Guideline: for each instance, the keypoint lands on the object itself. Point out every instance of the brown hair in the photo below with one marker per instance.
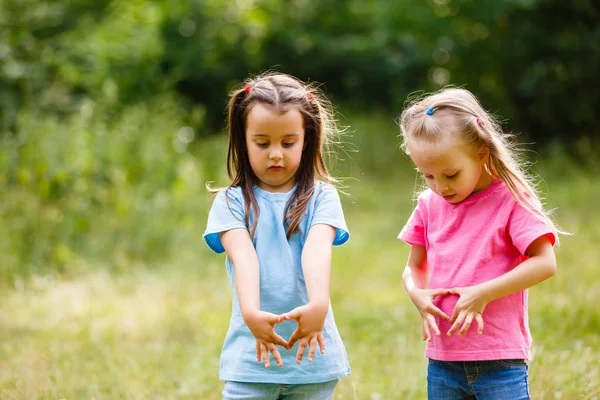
(282, 92)
(454, 111)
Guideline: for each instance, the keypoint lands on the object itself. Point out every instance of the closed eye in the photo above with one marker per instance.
(452, 176)
(288, 144)
(262, 145)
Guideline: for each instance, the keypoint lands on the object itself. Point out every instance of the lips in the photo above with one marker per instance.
(275, 168)
(449, 196)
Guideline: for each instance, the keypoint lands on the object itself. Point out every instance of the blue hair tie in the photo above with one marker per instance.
(429, 111)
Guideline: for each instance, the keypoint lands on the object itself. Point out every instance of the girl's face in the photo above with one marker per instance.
(275, 142)
(452, 168)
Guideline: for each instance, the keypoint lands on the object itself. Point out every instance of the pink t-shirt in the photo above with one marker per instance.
(479, 239)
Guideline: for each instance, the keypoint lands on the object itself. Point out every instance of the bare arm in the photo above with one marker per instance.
(415, 272)
(316, 266)
(540, 266)
(239, 248)
(415, 282)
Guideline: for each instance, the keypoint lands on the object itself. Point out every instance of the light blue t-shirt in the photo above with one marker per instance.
(282, 286)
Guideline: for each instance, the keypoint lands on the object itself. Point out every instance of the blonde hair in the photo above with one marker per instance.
(454, 111)
(282, 92)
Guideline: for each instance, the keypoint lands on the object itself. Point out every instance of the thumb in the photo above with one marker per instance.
(275, 319)
(293, 339)
(440, 291)
(294, 314)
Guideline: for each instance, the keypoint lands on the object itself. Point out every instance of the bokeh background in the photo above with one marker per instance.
(112, 122)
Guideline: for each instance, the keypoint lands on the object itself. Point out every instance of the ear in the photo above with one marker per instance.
(483, 154)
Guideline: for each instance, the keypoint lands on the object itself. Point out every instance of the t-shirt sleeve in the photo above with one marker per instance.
(226, 213)
(524, 228)
(328, 211)
(414, 230)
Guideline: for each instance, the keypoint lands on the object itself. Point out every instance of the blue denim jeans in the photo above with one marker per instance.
(274, 391)
(481, 380)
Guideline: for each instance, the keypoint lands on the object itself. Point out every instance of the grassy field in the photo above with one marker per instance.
(155, 330)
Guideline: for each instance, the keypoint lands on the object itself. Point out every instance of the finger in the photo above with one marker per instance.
(455, 313)
(275, 319)
(479, 320)
(436, 311)
(273, 349)
(454, 291)
(321, 340)
(439, 292)
(426, 331)
(312, 343)
(432, 325)
(457, 323)
(301, 350)
(275, 338)
(294, 314)
(466, 325)
(293, 339)
(264, 355)
(257, 351)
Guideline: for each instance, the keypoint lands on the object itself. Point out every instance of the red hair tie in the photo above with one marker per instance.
(309, 96)
(479, 121)
(247, 89)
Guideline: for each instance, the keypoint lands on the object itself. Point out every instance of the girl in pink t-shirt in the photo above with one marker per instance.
(479, 239)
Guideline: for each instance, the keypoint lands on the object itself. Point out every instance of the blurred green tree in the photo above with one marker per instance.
(535, 61)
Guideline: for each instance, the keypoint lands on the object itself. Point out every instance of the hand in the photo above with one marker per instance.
(469, 306)
(262, 325)
(423, 300)
(310, 319)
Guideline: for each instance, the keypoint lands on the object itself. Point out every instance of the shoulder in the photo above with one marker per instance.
(324, 190)
(425, 195)
(230, 193)
(229, 197)
(504, 198)
(324, 186)
(427, 199)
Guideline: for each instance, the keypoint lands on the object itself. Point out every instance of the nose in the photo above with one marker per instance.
(275, 154)
(441, 187)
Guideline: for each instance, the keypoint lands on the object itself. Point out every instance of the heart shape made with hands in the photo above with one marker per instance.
(308, 333)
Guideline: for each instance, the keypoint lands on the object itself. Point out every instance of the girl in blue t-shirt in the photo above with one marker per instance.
(277, 224)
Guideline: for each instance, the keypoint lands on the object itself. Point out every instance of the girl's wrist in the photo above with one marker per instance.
(249, 314)
(485, 292)
(319, 306)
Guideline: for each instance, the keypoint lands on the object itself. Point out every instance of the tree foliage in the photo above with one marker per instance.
(533, 61)
(100, 101)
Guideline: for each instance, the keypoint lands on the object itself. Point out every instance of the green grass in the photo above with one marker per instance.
(153, 329)
(143, 334)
